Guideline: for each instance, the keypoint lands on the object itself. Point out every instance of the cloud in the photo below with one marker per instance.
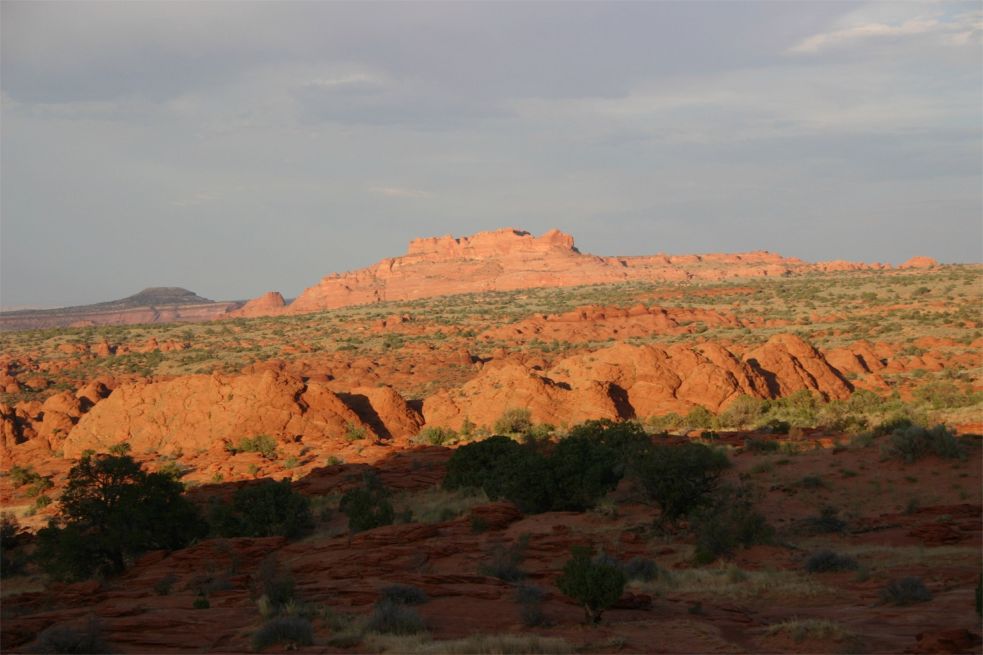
(400, 192)
(957, 30)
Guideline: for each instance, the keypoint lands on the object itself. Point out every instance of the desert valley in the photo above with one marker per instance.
(501, 444)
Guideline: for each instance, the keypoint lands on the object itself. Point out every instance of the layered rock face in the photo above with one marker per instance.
(510, 259)
(626, 381)
(203, 412)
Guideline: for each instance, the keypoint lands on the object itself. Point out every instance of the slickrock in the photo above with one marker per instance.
(196, 412)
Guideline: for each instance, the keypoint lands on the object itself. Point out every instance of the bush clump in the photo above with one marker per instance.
(914, 442)
(290, 630)
(515, 420)
(263, 444)
(728, 523)
(597, 585)
(265, 509)
(113, 510)
(680, 478)
(435, 436)
(825, 561)
(404, 594)
(906, 591)
(504, 560)
(368, 506)
(394, 618)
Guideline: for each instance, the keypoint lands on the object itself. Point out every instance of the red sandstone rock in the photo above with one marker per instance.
(920, 262)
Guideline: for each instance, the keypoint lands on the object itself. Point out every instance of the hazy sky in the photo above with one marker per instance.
(233, 148)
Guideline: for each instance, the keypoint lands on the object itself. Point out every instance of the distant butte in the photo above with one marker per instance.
(510, 259)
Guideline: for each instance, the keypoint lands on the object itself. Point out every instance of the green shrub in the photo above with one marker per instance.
(274, 582)
(680, 478)
(393, 618)
(293, 631)
(367, 507)
(112, 509)
(355, 432)
(504, 561)
(20, 475)
(201, 602)
(516, 420)
(263, 444)
(436, 436)
(743, 412)
(640, 568)
(824, 561)
(582, 470)
(914, 442)
(483, 465)
(827, 522)
(403, 594)
(596, 585)
(12, 559)
(730, 522)
(530, 601)
(699, 418)
(761, 445)
(906, 591)
(265, 509)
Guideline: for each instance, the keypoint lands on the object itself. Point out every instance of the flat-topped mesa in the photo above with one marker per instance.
(497, 243)
(511, 259)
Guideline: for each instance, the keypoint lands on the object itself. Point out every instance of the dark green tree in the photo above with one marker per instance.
(596, 584)
(680, 478)
(367, 507)
(266, 509)
(112, 510)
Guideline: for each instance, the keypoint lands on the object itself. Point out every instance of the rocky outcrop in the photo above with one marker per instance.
(639, 381)
(269, 304)
(920, 262)
(203, 412)
(511, 259)
(503, 386)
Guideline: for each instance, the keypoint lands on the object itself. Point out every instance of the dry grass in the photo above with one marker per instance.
(502, 644)
(734, 583)
(878, 558)
(802, 629)
(436, 505)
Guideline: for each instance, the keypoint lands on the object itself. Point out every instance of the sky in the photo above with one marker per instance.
(234, 148)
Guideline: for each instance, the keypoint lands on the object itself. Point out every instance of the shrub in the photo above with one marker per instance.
(435, 436)
(12, 560)
(825, 561)
(775, 426)
(112, 509)
(640, 568)
(393, 618)
(367, 507)
(530, 601)
(914, 442)
(906, 591)
(728, 523)
(482, 465)
(291, 630)
(828, 521)
(263, 444)
(265, 509)
(744, 411)
(355, 432)
(403, 594)
(163, 586)
(63, 638)
(761, 445)
(699, 418)
(680, 478)
(201, 602)
(596, 585)
(504, 561)
(20, 475)
(274, 583)
(582, 470)
(516, 420)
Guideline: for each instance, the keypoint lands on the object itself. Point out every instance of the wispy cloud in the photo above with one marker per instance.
(400, 192)
(957, 30)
